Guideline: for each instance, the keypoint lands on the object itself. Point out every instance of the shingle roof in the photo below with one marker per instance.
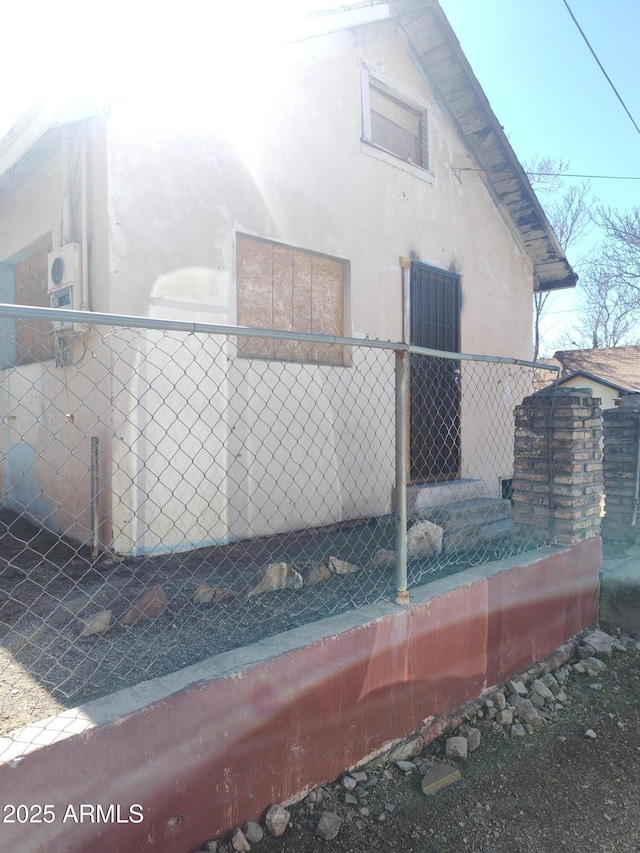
(615, 366)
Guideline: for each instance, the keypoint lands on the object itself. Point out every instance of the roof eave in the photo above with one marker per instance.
(439, 51)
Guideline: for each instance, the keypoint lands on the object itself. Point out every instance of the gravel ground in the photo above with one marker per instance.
(558, 789)
(47, 584)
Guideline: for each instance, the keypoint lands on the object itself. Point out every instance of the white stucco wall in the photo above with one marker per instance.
(280, 156)
(298, 173)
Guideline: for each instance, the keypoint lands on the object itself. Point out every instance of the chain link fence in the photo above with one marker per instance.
(165, 499)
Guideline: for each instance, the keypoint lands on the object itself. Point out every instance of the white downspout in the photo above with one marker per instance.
(86, 301)
(405, 266)
(66, 231)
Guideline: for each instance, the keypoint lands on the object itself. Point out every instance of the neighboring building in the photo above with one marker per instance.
(610, 372)
(375, 145)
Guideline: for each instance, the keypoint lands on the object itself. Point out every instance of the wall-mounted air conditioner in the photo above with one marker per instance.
(64, 280)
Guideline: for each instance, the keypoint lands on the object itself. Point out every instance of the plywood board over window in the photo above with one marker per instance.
(293, 290)
(34, 341)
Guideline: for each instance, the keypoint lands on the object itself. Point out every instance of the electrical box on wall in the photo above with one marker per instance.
(64, 280)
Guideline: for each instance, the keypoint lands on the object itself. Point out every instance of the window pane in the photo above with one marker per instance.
(395, 126)
(394, 138)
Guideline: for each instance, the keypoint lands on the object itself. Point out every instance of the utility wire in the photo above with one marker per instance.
(595, 177)
(558, 174)
(593, 53)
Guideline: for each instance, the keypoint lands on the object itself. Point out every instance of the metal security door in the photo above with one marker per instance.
(434, 386)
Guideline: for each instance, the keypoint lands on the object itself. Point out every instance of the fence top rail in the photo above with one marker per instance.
(95, 318)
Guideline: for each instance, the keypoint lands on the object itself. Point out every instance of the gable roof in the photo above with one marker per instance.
(618, 367)
(440, 57)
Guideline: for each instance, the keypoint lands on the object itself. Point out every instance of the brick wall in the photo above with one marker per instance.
(557, 481)
(621, 433)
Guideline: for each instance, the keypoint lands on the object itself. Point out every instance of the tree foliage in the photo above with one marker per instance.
(610, 312)
(610, 283)
(568, 209)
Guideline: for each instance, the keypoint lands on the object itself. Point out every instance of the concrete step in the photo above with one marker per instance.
(423, 499)
(470, 513)
(474, 523)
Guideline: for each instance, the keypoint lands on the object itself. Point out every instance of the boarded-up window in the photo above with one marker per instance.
(291, 290)
(393, 124)
(34, 341)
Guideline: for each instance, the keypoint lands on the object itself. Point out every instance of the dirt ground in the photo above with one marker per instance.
(556, 790)
(48, 585)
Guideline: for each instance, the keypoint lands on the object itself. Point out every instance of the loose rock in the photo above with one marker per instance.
(341, 567)
(275, 576)
(318, 574)
(238, 841)
(328, 826)
(253, 831)
(551, 682)
(499, 701)
(383, 560)
(150, 605)
(456, 748)
(97, 624)
(408, 750)
(473, 739)
(424, 539)
(206, 594)
(528, 713)
(439, 776)
(516, 686)
(602, 643)
(276, 820)
(541, 689)
(505, 718)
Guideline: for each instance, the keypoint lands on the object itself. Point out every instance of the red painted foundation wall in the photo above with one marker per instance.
(204, 760)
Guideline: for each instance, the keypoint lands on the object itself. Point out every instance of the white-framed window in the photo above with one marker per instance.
(393, 123)
(293, 290)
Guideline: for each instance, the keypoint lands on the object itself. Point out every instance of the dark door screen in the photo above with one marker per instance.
(434, 386)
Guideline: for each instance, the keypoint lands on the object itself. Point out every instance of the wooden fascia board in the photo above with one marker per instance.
(31, 127)
(440, 53)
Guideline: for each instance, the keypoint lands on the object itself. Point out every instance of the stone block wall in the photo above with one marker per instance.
(621, 436)
(557, 480)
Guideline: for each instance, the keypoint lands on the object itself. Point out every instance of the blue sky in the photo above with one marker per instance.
(547, 90)
(552, 99)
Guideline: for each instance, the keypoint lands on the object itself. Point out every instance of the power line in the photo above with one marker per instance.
(600, 65)
(558, 174)
(595, 177)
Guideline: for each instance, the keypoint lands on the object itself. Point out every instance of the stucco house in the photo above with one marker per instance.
(371, 179)
(611, 372)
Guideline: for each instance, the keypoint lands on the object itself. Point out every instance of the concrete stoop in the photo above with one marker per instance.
(469, 524)
(427, 497)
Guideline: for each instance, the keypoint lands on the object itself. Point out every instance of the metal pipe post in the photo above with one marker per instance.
(636, 481)
(95, 486)
(402, 385)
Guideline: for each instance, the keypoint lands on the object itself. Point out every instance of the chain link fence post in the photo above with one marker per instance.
(401, 375)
